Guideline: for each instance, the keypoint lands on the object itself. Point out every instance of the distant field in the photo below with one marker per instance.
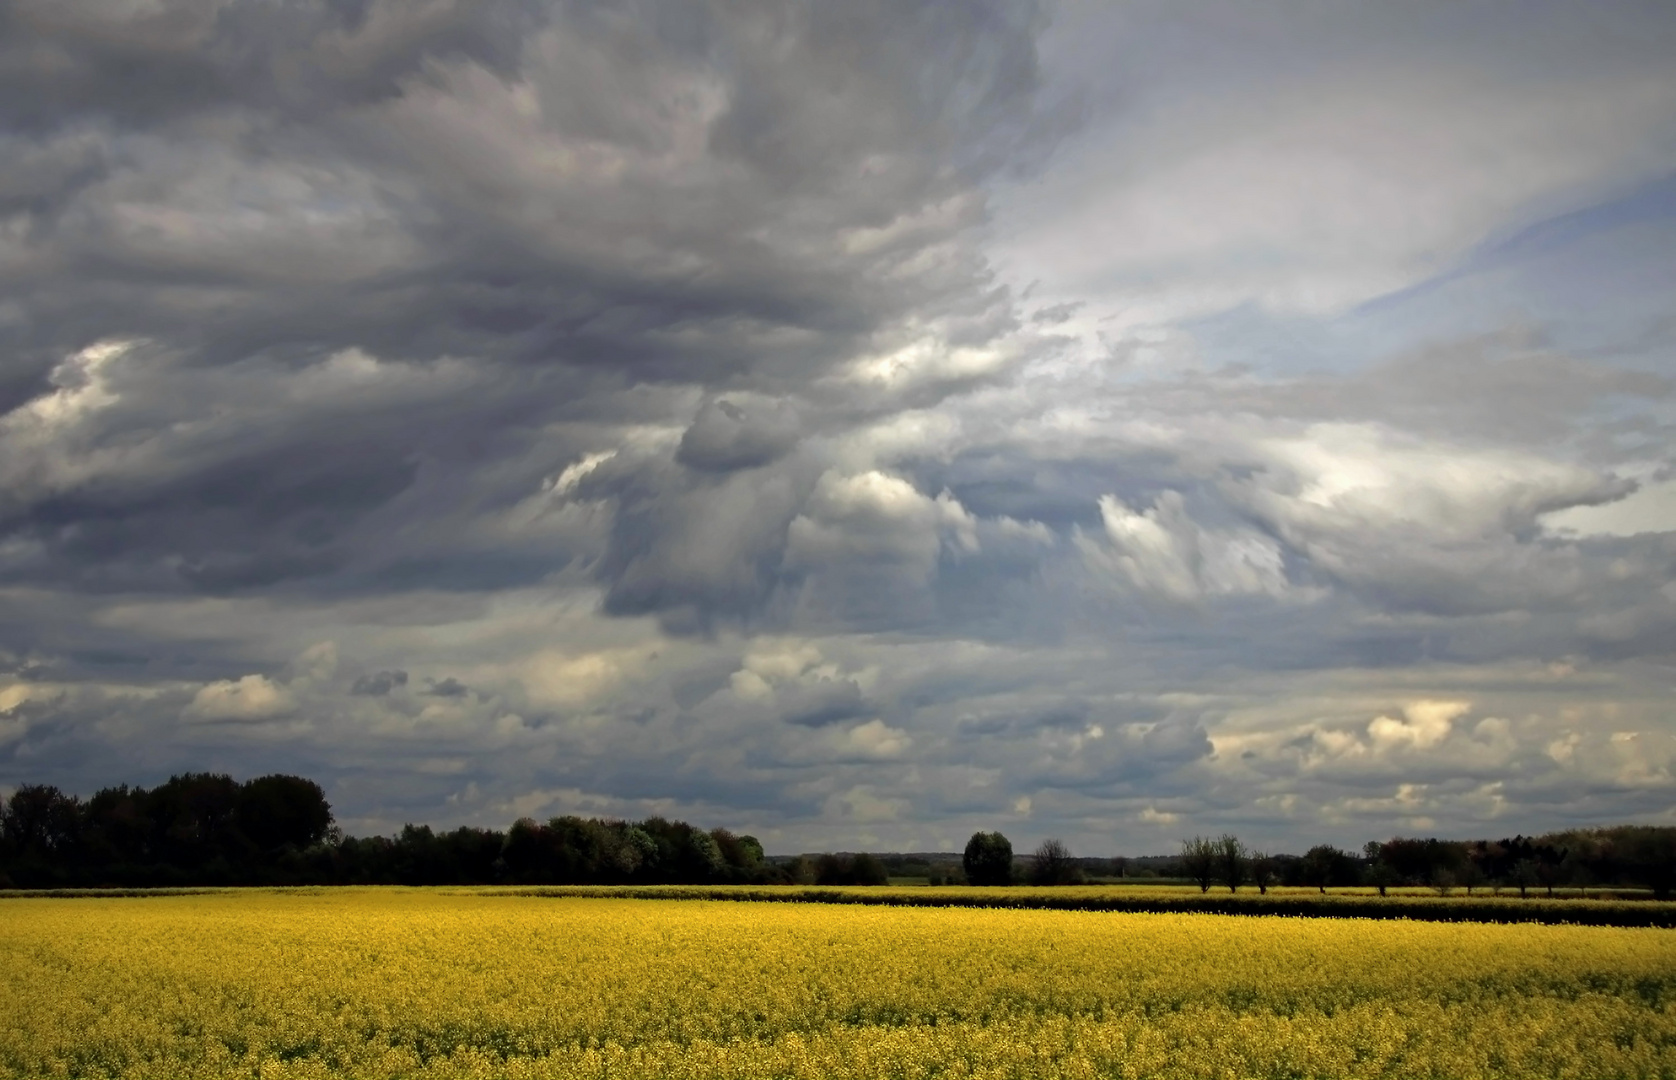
(467, 983)
(1629, 908)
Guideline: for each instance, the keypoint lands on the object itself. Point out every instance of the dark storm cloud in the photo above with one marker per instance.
(503, 408)
(732, 434)
(452, 197)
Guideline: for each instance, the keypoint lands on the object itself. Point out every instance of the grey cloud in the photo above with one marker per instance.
(379, 683)
(825, 702)
(738, 433)
(377, 220)
(646, 369)
(447, 688)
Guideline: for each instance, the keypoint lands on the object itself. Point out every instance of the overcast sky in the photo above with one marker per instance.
(854, 424)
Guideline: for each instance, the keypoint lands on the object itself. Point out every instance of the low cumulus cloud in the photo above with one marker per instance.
(250, 698)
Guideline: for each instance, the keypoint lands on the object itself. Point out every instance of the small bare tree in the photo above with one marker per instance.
(1262, 871)
(1231, 861)
(1051, 864)
(1199, 859)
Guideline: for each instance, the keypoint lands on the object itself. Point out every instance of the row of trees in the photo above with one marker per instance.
(988, 860)
(1628, 855)
(1625, 855)
(1224, 860)
(208, 829)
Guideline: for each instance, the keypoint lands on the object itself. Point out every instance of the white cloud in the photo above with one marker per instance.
(1423, 725)
(1651, 508)
(875, 517)
(877, 739)
(249, 698)
(1163, 552)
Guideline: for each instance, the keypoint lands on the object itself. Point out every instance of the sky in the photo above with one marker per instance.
(853, 424)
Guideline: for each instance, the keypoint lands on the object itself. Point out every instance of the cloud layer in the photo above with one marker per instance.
(855, 424)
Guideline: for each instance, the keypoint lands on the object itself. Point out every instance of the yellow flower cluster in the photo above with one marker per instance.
(379, 983)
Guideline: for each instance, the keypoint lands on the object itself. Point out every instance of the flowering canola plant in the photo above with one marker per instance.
(380, 983)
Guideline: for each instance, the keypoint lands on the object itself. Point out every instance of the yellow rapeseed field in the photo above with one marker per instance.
(417, 983)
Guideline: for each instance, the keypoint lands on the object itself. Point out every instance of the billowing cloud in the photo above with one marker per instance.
(853, 424)
(1163, 552)
(251, 698)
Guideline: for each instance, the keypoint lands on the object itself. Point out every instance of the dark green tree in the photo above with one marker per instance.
(1325, 865)
(866, 869)
(988, 859)
(282, 811)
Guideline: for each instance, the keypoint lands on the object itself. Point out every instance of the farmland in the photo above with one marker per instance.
(1602, 909)
(428, 983)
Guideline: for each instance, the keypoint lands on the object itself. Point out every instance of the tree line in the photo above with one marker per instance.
(1636, 856)
(209, 829)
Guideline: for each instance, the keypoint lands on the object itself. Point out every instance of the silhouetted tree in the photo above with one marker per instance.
(40, 822)
(282, 811)
(1650, 854)
(1382, 877)
(1231, 861)
(862, 869)
(867, 869)
(1199, 860)
(1051, 864)
(988, 859)
(196, 829)
(1325, 865)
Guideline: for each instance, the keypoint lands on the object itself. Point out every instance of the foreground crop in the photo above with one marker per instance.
(387, 983)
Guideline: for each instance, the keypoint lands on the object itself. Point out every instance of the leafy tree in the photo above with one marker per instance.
(1382, 877)
(282, 811)
(1523, 877)
(527, 852)
(1199, 858)
(1417, 861)
(867, 869)
(1650, 852)
(40, 822)
(862, 869)
(117, 827)
(194, 815)
(742, 854)
(638, 853)
(988, 859)
(1262, 871)
(1325, 865)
